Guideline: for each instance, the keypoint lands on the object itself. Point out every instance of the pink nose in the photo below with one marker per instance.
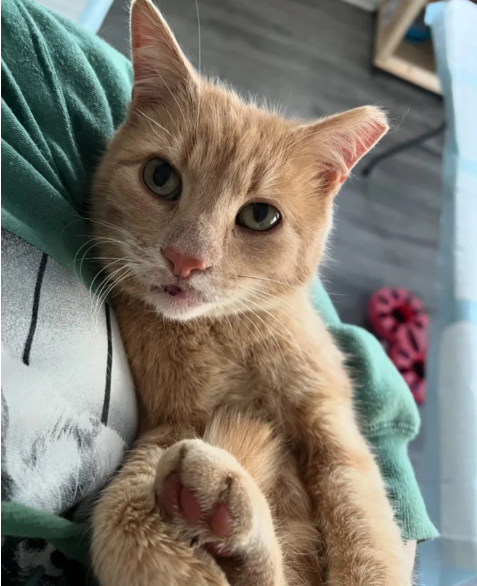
(183, 265)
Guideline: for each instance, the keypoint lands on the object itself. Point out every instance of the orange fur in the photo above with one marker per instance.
(244, 396)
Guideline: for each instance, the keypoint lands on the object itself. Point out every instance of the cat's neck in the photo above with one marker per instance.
(186, 363)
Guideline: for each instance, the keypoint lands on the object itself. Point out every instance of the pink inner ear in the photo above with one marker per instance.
(150, 36)
(158, 62)
(142, 35)
(363, 140)
(146, 24)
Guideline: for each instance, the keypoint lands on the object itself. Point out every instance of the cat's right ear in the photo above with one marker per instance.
(161, 70)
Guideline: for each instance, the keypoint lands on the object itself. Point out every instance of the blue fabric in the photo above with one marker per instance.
(94, 13)
(448, 476)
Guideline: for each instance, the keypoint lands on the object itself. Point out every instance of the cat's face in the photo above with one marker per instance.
(206, 205)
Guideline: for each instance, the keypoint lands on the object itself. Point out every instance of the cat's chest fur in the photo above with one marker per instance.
(184, 371)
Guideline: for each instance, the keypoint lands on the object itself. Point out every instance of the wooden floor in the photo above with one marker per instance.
(313, 56)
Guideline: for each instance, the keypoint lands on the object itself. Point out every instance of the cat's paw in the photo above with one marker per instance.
(211, 498)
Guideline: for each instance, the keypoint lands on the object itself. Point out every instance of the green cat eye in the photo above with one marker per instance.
(162, 179)
(259, 217)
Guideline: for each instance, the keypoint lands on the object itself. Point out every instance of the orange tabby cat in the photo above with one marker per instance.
(250, 469)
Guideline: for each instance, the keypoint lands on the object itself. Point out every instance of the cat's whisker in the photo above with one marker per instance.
(123, 245)
(96, 307)
(106, 239)
(268, 290)
(81, 248)
(98, 301)
(247, 309)
(260, 338)
(292, 337)
(264, 279)
(104, 289)
(120, 229)
(69, 224)
(271, 331)
(130, 244)
(104, 268)
(267, 296)
(200, 64)
(241, 315)
(155, 123)
(106, 258)
(95, 242)
(107, 291)
(75, 260)
(226, 317)
(267, 285)
(173, 96)
(237, 316)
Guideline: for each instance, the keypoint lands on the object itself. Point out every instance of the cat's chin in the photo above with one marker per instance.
(182, 315)
(186, 310)
(176, 302)
(177, 308)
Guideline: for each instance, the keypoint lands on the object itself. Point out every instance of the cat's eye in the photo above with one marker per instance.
(162, 179)
(258, 217)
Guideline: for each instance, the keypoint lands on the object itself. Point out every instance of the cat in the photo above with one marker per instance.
(211, 215)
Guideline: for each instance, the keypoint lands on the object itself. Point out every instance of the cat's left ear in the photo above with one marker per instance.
(338, 142)
(161, 70)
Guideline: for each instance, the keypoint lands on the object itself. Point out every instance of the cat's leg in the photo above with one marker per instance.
(133, 544)
(274, 470)
(348, 494)
(215, 502)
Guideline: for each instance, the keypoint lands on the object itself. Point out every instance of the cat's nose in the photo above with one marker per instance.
(183, 265)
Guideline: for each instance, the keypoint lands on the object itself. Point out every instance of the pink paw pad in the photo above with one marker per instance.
(175, 498)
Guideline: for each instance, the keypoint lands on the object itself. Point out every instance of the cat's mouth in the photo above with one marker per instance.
(171, 290)
(172, 298)
(182, 300)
